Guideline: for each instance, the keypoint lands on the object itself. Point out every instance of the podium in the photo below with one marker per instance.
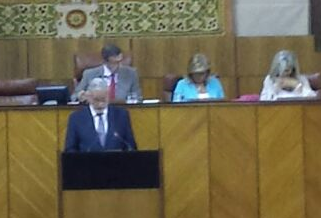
(110, 184)
(110, 170)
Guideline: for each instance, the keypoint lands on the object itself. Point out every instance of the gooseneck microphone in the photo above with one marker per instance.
(127, 144)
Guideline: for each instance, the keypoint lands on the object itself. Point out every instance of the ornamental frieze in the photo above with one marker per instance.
(125, 18)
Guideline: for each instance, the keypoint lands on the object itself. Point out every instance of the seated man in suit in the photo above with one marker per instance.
(122, 80)
(99, 126)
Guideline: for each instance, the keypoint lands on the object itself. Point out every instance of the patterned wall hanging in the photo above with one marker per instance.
(129, 18)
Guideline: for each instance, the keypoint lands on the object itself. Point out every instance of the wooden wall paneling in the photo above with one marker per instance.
(13, 63)
(221, 52)
(229, 86)
(309, 59)
(51, 59)
(153, 56)
(312, 145)
(95, 45)
(254, 54)
(184, 142)
(233, 155)
(280, 146)
(151, 87)
(3, 166)
(112, 203)
(145, 124)
(63, 115)
(159, 56)
(32, 141)
(218, 49)
(156, 57)
(250, 84)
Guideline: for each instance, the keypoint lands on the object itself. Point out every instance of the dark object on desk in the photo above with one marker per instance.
(53, 95)
(110, 170)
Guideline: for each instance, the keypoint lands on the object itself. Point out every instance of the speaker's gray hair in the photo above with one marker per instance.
(97, 84)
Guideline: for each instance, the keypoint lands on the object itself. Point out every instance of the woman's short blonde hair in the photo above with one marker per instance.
(282, 61)
(198, 64)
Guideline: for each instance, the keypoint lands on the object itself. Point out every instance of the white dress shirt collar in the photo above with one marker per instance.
(96, 118)
(107, 72)
(107, 75)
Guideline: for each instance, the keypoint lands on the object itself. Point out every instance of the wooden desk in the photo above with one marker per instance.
(220, 160)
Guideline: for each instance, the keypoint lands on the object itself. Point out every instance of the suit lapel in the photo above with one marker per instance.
(123, 83)
(90, 126)
(99, 72)
(111, 128)
(121, 76)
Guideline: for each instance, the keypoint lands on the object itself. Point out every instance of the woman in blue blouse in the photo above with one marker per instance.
(198, 84)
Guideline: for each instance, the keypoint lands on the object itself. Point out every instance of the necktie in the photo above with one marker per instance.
(112, 87)
(101, 129)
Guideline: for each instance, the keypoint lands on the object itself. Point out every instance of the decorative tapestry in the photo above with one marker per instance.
(124, 18)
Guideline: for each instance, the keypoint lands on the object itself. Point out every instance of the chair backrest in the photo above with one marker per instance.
(314, 80)
(83, 61)
(18, 91)
(169, 84)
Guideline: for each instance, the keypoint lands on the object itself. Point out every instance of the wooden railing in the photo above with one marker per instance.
(219, 160)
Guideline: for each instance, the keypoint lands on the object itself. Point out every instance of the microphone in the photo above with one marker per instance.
(127, 144)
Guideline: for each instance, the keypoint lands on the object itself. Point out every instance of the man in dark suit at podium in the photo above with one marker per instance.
(99, 126)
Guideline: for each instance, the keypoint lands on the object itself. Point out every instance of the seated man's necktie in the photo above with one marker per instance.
(112, 87)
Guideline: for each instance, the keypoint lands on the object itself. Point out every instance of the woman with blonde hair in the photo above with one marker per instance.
(284, 79)
(198, 84)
